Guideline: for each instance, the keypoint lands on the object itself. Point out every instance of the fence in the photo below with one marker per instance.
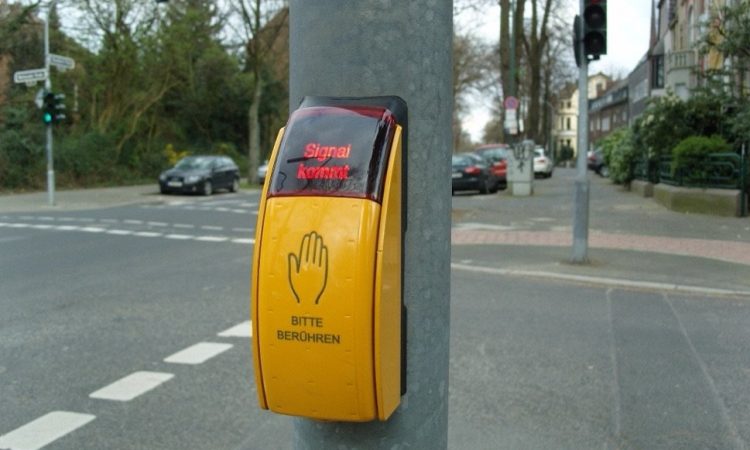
(720, 171)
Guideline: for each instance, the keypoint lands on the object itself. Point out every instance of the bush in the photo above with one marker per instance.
(690, 158)
(619, 155)
(87, 159)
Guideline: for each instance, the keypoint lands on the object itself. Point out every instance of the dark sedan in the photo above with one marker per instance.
(200, 174)
(472, 173)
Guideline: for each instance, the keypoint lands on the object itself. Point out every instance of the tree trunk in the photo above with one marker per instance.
(253, 155)
(510, 49)
(535, 48)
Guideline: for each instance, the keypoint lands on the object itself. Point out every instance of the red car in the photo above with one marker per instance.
(496, 156)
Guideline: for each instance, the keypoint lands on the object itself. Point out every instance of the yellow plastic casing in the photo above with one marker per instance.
(329, 350)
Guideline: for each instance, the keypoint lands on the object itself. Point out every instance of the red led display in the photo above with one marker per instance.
(337, 151)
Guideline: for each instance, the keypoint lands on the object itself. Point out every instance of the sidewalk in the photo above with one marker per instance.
(79, 199)
(632, 240)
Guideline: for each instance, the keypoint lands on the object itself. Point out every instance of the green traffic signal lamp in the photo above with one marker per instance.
(49, 109)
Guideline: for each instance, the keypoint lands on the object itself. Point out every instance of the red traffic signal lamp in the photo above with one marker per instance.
(594, 33)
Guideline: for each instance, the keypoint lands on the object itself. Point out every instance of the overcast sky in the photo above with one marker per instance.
(628, 29)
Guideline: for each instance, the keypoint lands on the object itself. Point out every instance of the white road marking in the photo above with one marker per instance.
(130, 387)
(198, 353)
(108, 220)
(212, 239)
(44, 430)
(157, 224)
(93, 230)
(179, 236)
(147, 234)
(120, 232)
(242, 330)
(133, 222)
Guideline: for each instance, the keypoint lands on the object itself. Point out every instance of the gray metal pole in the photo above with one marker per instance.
(391, 47)
(581, 195)
(48, 88)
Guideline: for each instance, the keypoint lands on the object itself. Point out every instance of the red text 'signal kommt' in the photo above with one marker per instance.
(314, 150)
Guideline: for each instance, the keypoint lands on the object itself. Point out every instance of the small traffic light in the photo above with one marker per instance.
(49, 110)
(53, 109)
(594, 28)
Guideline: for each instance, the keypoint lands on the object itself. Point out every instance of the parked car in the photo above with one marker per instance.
(596, 163)
(262, 170)
(542, 164)
(472, 173)
(200, 174)
(497, 157)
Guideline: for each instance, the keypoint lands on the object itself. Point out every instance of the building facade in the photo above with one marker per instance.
(608, 112)
(565, 122)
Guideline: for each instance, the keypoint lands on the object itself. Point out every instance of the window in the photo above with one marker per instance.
(657, 72)
(567, 123)
(605, 124)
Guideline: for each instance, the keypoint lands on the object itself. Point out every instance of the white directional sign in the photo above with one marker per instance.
(30, 76)
(61, 62)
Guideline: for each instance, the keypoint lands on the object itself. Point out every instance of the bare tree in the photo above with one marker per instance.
(471, 69)
(535, 42)
(264, 21)
(511, 45)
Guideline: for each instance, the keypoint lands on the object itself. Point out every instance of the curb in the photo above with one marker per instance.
(604, 281)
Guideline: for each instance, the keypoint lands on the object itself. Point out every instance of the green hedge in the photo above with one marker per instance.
(690, 158)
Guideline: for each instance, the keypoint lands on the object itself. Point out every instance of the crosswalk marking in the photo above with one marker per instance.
(243, 330)
(44, 430)
(130, 387)
(198, 353)
(107, 226)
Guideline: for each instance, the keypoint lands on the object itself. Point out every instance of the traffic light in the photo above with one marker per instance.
(49, 110)
(594, 28)
(53, 109)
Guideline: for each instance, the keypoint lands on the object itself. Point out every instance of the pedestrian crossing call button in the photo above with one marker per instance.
(326, 294)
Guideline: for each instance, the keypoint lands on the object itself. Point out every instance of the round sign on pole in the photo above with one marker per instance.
(510, 102)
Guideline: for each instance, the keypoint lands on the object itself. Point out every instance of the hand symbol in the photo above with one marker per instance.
(308, 271)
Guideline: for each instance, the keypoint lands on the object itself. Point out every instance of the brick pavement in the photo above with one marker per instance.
(728, 251)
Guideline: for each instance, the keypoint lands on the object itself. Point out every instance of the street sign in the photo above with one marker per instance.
(511, 121)
(30, 77)
(511, 102)
(61, 62)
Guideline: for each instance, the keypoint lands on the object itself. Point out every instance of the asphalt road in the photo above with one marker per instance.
(116, 321)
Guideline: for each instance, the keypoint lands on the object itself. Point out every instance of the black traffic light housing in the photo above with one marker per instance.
(53, 109)
(48, 110)
(594, 24)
